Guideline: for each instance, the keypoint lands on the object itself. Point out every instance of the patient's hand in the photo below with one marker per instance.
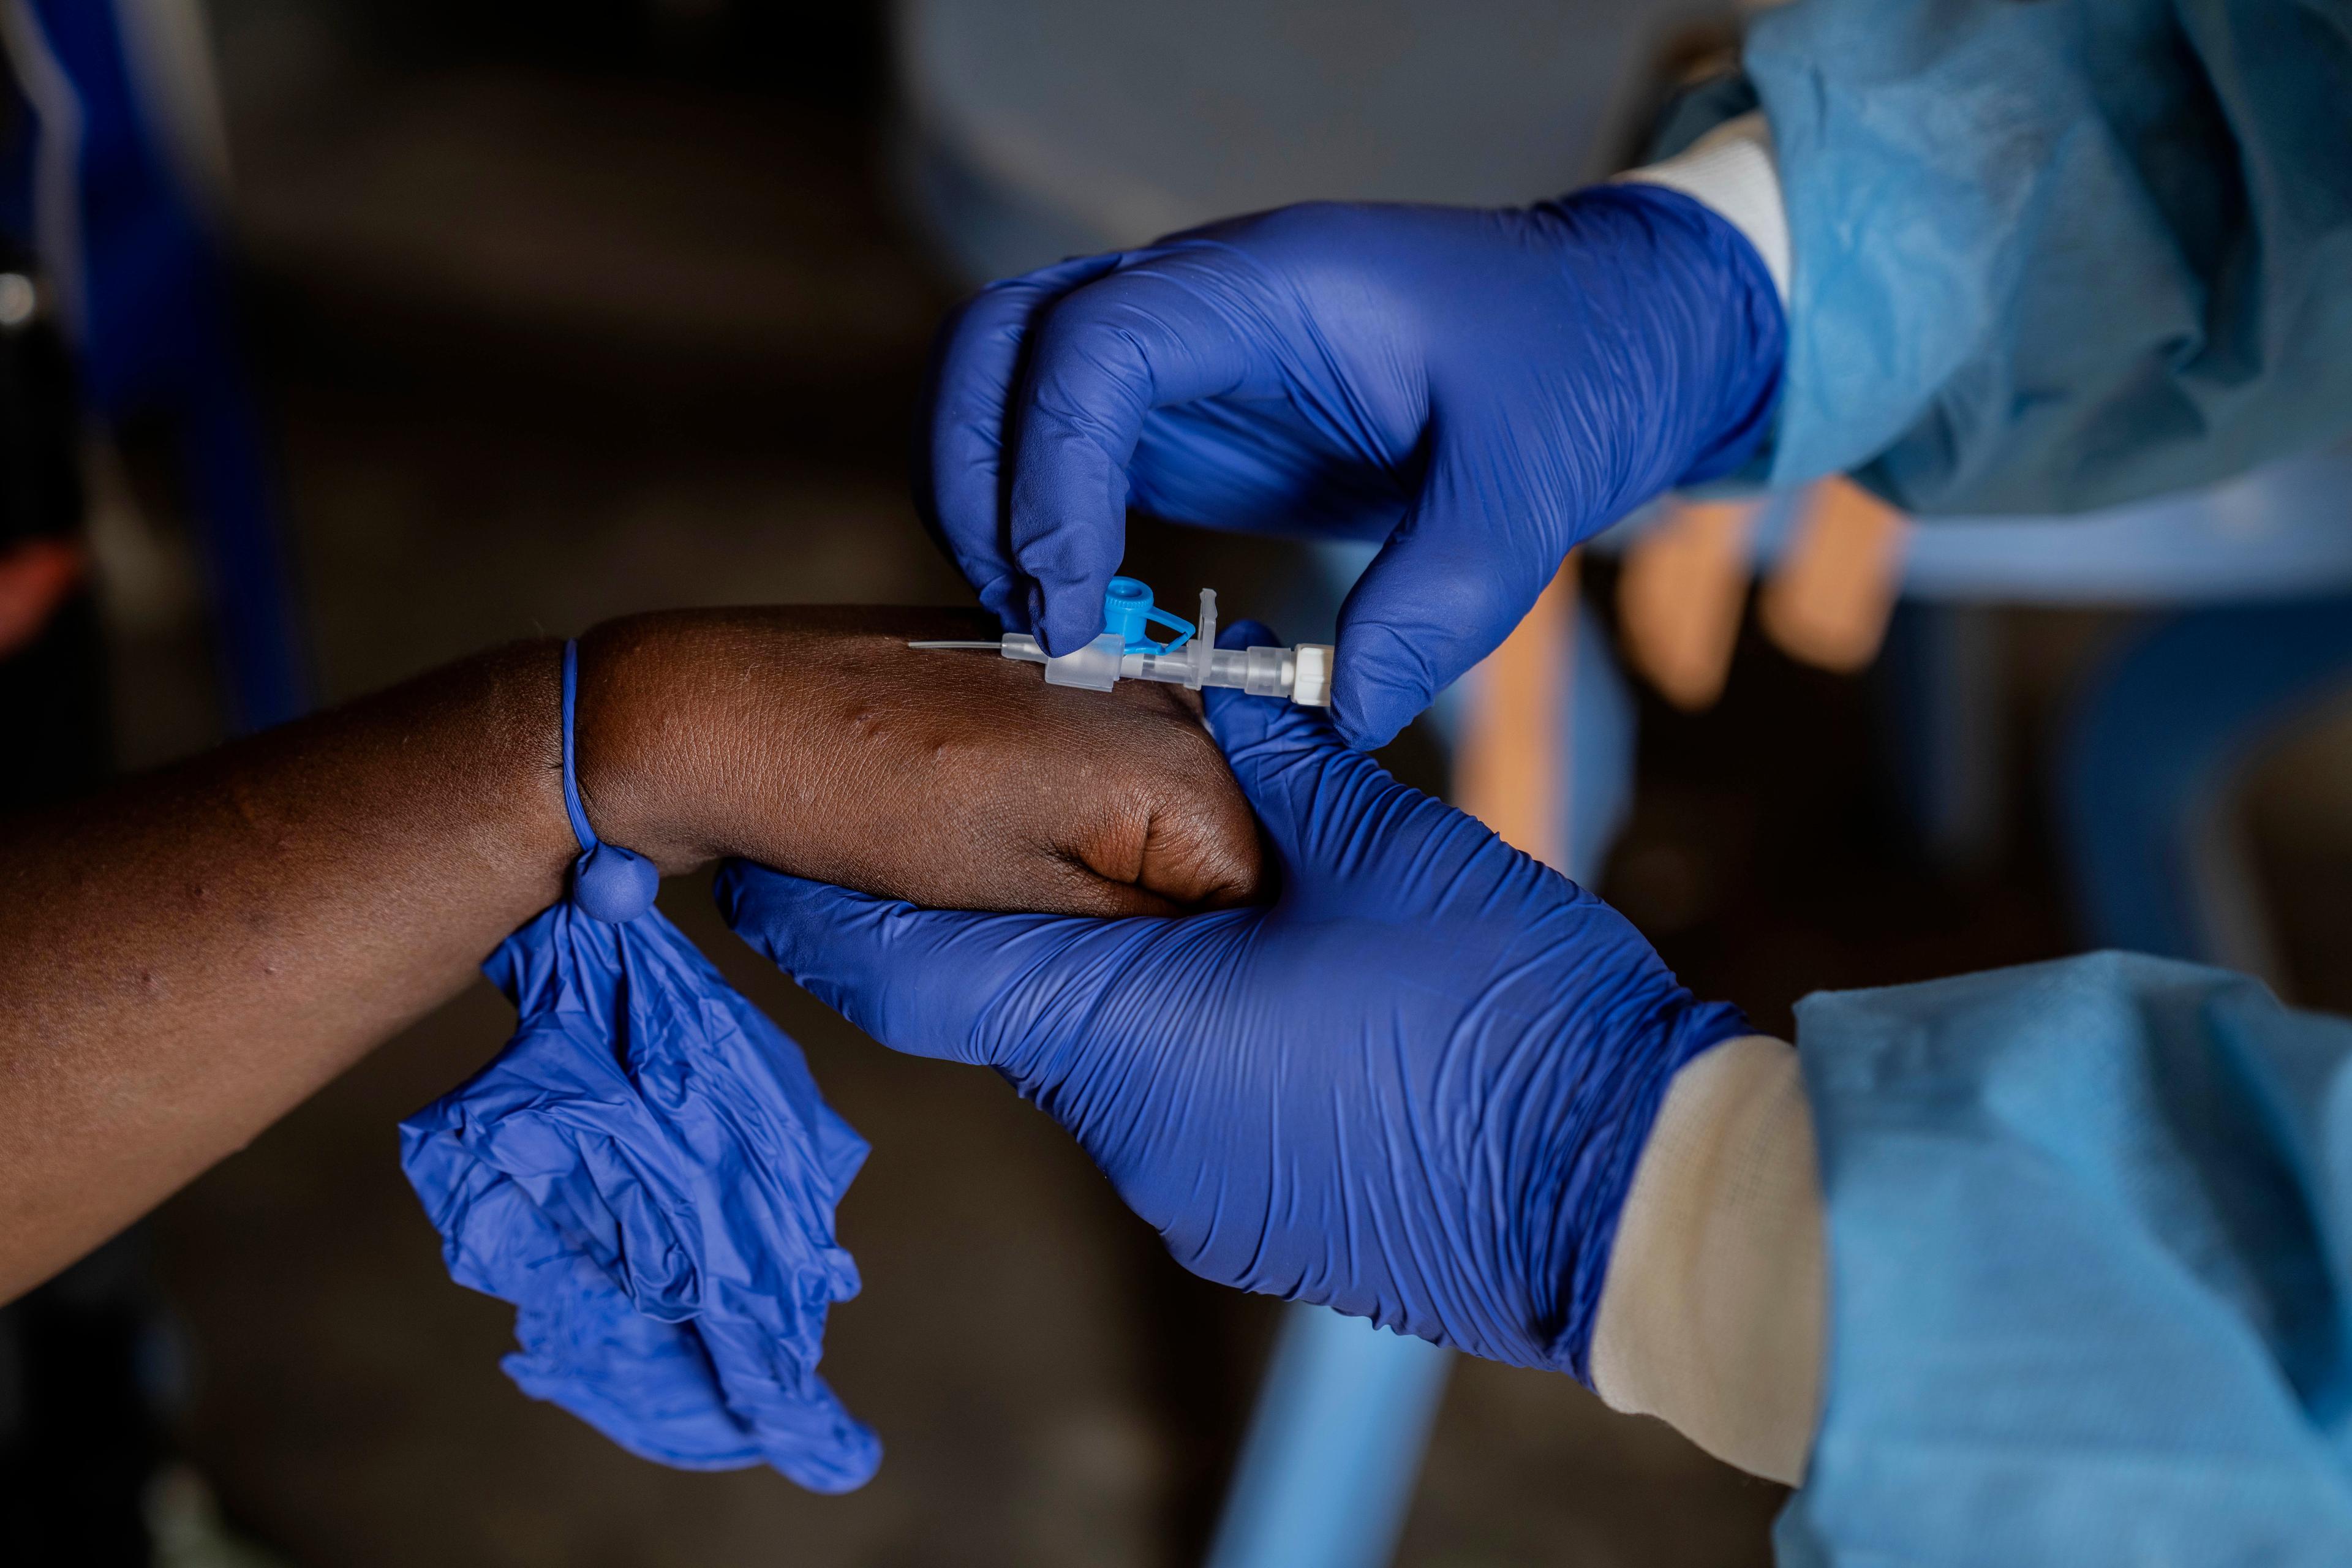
(815, 740)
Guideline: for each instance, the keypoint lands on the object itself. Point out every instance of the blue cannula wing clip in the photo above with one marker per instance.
(1128, 608)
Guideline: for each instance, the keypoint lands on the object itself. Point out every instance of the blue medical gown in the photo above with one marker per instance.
(2090, 1239)
(648, 1173)
(2060, 255)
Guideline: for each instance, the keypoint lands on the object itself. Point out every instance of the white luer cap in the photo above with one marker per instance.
(1310, 687)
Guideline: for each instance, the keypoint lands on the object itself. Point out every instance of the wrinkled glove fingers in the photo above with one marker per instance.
(1317, 798)
(977, 361)
(919, 980)
(1350, 838)
(1104, 357)
(1452, 582)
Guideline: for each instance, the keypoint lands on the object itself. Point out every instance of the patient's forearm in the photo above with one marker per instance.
(186, 958)
(183, 960)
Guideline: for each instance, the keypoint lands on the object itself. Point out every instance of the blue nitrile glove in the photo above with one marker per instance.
(648, 1173)
(1482, 389)
(1414, 1087)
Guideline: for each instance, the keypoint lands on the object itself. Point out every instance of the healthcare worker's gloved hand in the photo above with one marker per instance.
(1482, 389)
(1415, 1087)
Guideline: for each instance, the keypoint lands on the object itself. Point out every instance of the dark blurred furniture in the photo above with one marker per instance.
(78, 1438)
(115, 137)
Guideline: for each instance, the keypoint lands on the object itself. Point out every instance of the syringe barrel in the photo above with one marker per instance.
(1303, 674)
(1260, 672)
(1265, 671)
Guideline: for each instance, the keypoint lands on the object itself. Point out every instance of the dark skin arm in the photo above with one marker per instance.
(184, 959)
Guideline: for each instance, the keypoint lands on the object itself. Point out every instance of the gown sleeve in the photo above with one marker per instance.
(2063, 255)
(2089, 1230)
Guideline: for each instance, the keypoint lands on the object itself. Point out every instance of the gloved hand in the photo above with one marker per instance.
(1482, 389)
(648, 1173)
(1414, 1088)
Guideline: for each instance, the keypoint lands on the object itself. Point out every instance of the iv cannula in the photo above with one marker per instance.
(1122, 652)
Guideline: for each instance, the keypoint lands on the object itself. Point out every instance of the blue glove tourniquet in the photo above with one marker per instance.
(1482, 389)
(1413, 1089)
(647, 1173)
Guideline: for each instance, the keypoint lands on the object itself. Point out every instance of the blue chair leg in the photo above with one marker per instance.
(2151, 750)
(147, 288)
(234, 490)
(1601, 735)
(1327, 1472)
(1942, 695)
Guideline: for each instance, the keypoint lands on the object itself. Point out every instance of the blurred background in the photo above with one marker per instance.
(541, 313)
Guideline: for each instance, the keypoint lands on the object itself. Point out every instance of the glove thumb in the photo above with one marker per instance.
(1244, 725)
(1445, 591)
(1328, 810)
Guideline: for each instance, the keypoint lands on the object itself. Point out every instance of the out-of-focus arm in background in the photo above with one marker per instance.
(2042, 259)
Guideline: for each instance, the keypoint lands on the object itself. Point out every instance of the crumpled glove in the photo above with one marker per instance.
(1482, 389)
(1414, 1088)
(648, 1173)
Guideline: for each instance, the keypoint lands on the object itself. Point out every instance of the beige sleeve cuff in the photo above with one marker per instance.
(1733, 170)
(1713, 1315)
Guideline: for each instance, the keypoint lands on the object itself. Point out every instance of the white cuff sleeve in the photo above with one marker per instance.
(1732, 170)
(1713, 1315)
